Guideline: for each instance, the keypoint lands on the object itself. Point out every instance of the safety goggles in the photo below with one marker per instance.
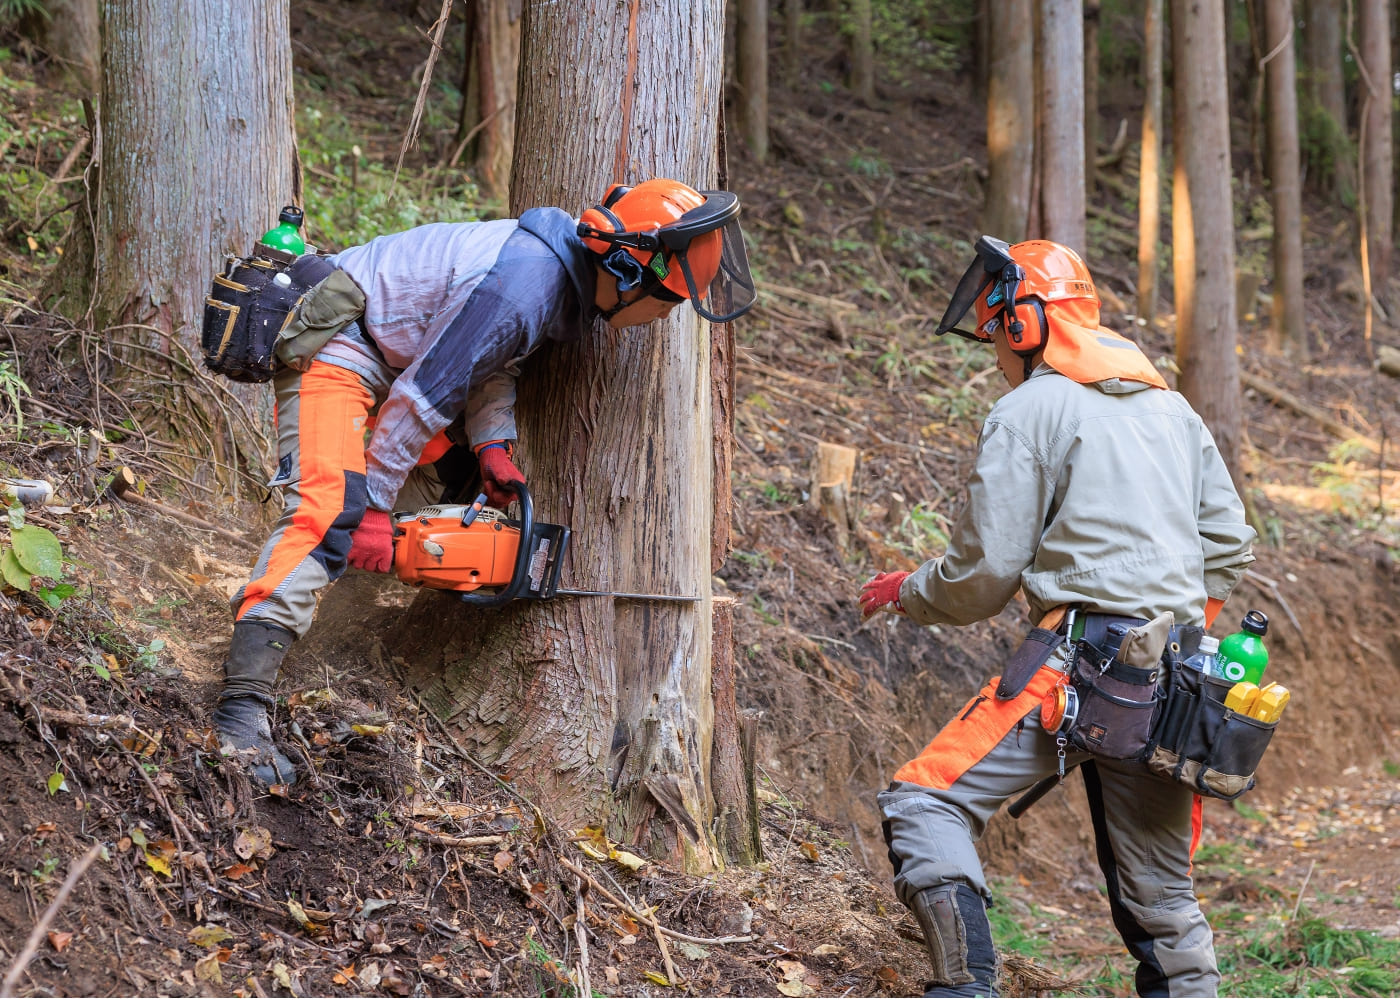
(993, 272)
(707, 245)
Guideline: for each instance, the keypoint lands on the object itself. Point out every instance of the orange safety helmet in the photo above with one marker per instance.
(675, 243)
(1042, 295)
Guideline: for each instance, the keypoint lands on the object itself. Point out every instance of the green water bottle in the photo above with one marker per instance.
(284, 235)
(1242, 655)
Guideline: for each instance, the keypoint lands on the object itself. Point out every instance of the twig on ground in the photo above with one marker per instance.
(41, 928)
(585, 989)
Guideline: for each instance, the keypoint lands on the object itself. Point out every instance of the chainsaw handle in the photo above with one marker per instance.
(520, 578)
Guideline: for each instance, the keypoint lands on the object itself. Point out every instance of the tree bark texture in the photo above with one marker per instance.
(1091, 94)
(1150, 164)
(1061, 48)
(603, 709)
(1289, 332)
(751, 70)
(862, 52)
(1324, 118)
(1376, 151)
(488, 104)
(1203, 231)
(195, 161)
(1010, 118)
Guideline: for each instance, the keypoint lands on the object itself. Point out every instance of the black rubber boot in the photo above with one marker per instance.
(241, 717)
(959, 937)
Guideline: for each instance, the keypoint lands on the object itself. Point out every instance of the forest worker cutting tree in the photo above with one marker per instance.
(1101, 495)
(431, 326)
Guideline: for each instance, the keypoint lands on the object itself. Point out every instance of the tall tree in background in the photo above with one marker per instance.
(1150, 164)
(1288, 330)
(751, 75)
(1091, 94)
(1060, 47)
(1376, 152)
(487, 123)
(862, 51)
(792, 42)
(1203, 229)
(194, 161)
(1324, 113)
(603, 709)
(70, 35)
(1010, 118)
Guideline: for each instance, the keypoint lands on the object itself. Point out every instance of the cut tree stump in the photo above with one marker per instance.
(831, 482)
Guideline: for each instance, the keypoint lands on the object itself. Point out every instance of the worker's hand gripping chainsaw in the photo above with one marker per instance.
(468, 547)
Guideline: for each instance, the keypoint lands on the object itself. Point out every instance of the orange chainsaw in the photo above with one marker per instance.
(466, 547)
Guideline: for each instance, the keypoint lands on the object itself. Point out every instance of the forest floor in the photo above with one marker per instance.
(401, 866)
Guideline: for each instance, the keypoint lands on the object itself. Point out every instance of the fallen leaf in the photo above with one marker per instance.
(483, 940)
(44, 828)
(60, 939)
(158, 864)
(237, 871)
(369, 976)
(343, 977)
(503, 860)
(809, 851)
(198, 579)
(207, 969)
(283, 977)
(656, 977)
(208, 935)
(337, 816)
(610, 973)
(298, 914)
(254, 842)
(694, 952)
(366, 730)
(827, 949)
(795, 988)
(887, 975)
(628, 860)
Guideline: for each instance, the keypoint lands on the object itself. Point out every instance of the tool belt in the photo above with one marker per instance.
(272, 309)
(1133, 700)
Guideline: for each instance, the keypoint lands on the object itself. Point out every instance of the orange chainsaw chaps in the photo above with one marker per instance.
(442, 554)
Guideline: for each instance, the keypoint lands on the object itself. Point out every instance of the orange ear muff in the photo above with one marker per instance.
(614, 195)
(1029, 315)
(598, 219)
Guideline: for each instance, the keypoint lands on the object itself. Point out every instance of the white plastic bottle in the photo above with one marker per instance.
(1203, 659)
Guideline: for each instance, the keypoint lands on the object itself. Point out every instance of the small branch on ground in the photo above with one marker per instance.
(41, 928)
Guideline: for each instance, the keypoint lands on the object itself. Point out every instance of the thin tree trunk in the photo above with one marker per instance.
(1010, 118)
(1324, 116)
(792, 42)
(1091, 95)
(862, 52)
(493, 55)
(1203, 237)
(751, 64)
(1289, 332)
(1150, 165)
(166, 221)
(1062, 148)
(603, 709)
(1376, 150)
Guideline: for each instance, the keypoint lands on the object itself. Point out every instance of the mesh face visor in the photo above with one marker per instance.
(707, 245)
(992, 265)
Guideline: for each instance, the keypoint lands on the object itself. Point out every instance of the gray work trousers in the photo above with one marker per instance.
(1144, 832)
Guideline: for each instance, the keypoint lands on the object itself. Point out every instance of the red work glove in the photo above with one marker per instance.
(881, 593)
(372, 543)
(498, 472)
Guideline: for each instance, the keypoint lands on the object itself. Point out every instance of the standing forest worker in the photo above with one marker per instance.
(1097, 489)
(436, 321)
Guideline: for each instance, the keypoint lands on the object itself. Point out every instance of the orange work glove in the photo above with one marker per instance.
(881, 593)
(372, 543)
(498, 472)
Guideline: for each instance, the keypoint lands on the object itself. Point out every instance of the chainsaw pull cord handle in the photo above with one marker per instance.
(520, 579)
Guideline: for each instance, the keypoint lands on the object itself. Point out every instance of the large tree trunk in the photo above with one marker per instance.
(1203, 231)
(751, 71)
(603, 709)
(1061, 149)
(487, 124)
(1150, 164)
(1010, 118)
(1324, 116)
(167, 218)
(1376, 151)
(1289, 332)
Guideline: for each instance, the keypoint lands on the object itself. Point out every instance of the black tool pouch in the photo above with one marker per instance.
(246, 308)
(1201, 743)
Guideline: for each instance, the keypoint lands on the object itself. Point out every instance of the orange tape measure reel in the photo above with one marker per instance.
(1059, 708)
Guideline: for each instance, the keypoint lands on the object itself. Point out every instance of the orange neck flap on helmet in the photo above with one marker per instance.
(1078, 348)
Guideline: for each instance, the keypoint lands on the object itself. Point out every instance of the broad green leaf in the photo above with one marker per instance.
(57, 783)
(38, 551)
(15, 574)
